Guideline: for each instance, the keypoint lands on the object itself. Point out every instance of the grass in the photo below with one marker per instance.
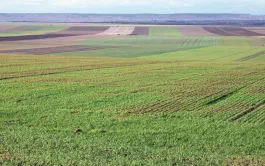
(138, 46)
(170, 47)
(164, 31)
(226, 50)
(258, 59)
(213, 53)
(116, 103)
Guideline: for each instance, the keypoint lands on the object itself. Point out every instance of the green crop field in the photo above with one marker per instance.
(29, 29)
(139, 46)
(164, 31)
(161, 99)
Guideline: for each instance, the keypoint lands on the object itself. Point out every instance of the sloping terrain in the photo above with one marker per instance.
(232, 31)
(126, 95)
(119, 30)
(194, 31)
(97, 106)
(53, 50)
(140, 31)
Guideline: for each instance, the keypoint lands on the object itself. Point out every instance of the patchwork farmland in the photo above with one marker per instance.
(88, 94)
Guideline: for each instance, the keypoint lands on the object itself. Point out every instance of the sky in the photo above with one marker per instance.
(133, 6)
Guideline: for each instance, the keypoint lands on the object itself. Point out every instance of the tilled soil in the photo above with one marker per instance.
(83, 30)
(241, 31)
(72, 31)
(53, 50)
(218, 31)
(141, 31)
(256, 29)
(194, 31)
(232, 31)
(33, 37)
(5, 28)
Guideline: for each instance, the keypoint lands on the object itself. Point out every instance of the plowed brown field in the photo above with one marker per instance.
(194, 31)
(52, 50)
(140, 31)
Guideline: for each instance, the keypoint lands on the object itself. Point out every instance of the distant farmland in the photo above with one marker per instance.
(131, 95)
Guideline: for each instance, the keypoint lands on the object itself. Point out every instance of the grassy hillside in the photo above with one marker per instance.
(138, 46)
(162, 99)
(164, 31)
(80, 110)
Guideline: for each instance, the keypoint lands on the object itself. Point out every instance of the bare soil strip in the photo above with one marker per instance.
(50, 42)
(11, 29)
(194, 31)
(69, 69)
(256, 29)
(5, 28)
(83, 30)
(53, 50)
(232, 31)
(33, 37)
(88, 28)
(72, 31)
(124, 30)
(218, 31)
(141, 31)
(251, 56)
(241, 31)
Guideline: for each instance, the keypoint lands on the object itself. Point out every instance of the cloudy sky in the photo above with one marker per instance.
(133, 6)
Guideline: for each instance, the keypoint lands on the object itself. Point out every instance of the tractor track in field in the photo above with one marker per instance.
(251, 56)
(251, 109)
(169, 103)
(174, 104)
(236, 115)
(224, 96)
(189, 41)
(184, 42)
(54, 50)
(68, 70)
(34, 37)
(234, 54)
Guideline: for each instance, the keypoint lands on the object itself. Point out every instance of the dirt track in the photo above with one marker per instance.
(53, 50)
